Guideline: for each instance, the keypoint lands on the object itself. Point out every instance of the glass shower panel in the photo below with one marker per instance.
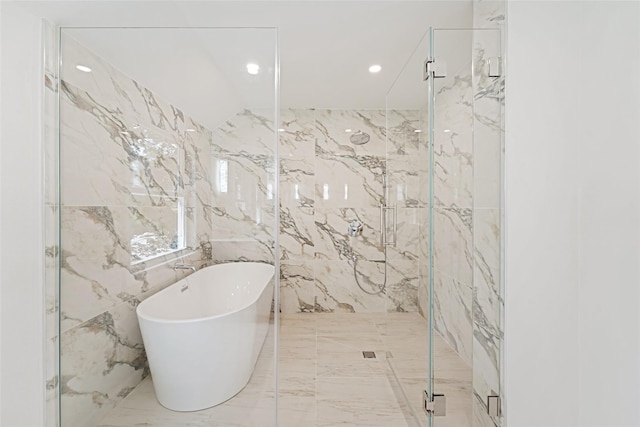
(405, 219)
(467, 146)
(167, 155)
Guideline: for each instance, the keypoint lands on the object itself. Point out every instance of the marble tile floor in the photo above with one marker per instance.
(325, 381)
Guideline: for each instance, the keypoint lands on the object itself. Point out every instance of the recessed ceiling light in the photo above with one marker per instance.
(83, 68)
(253, 69)
(280, 130)
(190, 130)
(375, 68)
(347, 130)
(417, 130)
(447, 130)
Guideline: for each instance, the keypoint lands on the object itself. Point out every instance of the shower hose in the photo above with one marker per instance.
(355, 275)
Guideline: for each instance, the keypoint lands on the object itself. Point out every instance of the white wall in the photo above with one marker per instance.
(21, 254)
(572, 326)
(572, 343)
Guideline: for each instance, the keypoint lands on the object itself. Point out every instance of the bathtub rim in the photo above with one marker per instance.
(200, 319)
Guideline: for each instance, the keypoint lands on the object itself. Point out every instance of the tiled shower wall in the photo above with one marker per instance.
(325, 183)
(488, 124)
(131, 164)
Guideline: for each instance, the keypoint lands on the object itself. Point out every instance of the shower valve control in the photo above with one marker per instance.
(355, 228)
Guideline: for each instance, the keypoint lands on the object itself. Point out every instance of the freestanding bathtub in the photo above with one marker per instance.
(204, 333)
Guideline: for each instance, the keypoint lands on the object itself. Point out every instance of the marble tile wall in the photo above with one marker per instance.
(488, 302)
(243, 187)
(135, 197)
(453, 212)
(325, 183)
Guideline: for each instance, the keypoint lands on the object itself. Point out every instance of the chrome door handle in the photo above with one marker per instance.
(383, 225)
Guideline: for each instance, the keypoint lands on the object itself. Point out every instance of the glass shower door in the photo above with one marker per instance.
(466, 163)
(158, 176)
(405, 223)
(443, 213)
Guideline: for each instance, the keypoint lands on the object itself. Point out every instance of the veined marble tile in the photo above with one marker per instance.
(250, 132)
(402, 285)
(488, 130)
(297, 287)
(103, 360)
(488, 302)
(341, 356)
(424, 237)
(366, 402)
(243, 221)
(296, 411)
(405, 178)
(452, 314)
(407, 234)
(102, 161)
(298, 234)
(293, 325)
(332, 126)
(453, 243)
(298, 135)
(345, 323)
(337, 290)
(346, 181)
(117, 92)
(198, 225)
(243, 177)
(453, 142)
(98, 270)
(333, 242)
(486, 375)
(404, 129)
(197, 166)
(297, 357)
(96, 258)
(297, 177)
(241, 249)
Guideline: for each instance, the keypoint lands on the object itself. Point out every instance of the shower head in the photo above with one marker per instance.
(359, 138)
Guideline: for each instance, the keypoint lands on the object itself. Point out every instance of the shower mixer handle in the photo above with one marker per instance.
(355, 228)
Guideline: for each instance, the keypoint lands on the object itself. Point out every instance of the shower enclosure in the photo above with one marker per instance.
(384, 226)
(444, 163)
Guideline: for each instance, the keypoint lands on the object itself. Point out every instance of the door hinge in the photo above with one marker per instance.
(435, 405)
(494, 66)
(494, 406)
(430, 68)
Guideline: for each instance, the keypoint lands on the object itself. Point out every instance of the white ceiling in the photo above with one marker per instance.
(326, 48)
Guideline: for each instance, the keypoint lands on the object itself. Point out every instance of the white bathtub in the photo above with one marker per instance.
(204, 333)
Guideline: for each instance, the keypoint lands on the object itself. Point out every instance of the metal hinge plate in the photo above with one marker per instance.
(494, 406)
(494, 66)
(430, 68)
(435, 405)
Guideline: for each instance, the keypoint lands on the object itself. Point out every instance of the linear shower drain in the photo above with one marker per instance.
(369, 354)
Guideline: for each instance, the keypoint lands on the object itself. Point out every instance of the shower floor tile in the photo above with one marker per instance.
(324, 380)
